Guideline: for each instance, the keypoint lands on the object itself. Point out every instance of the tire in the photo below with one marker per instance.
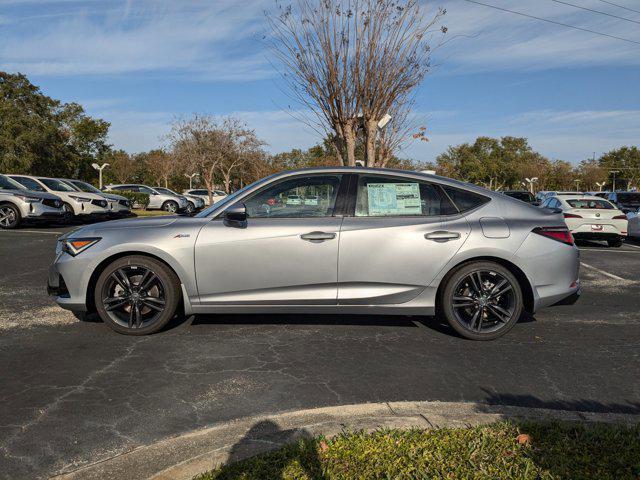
(615, 243)
(68, 213)
(9, 216)
(190, 208)
(137, 295)
(481, 313)
(170, 206)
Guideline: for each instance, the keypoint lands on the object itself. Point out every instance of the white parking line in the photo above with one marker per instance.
(606, 250)
(602, 272)
(632, 246)
(46, 232)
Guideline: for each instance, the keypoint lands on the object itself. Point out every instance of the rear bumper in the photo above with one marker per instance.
(597, 235)
(570, 299)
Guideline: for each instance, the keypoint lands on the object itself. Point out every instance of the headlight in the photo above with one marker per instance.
(80, 199)
(75, 246)
(27, 198)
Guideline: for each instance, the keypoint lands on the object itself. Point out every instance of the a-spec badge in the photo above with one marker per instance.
(182, 235)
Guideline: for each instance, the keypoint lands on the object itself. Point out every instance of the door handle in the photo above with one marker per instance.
(317, 236)
(442, 236)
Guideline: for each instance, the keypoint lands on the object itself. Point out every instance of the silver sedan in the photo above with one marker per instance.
(372, 241)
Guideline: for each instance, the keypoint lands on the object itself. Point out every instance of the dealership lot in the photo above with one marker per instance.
(77, 392)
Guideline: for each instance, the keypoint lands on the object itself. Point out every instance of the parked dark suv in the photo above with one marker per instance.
(523, 195)
(625, 201)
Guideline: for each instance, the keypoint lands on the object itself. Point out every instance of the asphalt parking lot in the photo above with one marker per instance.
(77, 392)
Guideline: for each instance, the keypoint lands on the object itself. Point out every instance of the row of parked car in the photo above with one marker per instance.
(28, 198)
(606, 216)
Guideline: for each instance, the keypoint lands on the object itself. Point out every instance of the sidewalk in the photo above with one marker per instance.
(187, 455)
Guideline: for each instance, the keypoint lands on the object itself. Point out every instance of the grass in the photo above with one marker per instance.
(506, 451)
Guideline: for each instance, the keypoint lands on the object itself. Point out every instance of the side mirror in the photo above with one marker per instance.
(536, 204)
(235, 215)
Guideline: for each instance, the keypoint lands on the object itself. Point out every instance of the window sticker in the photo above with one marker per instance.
(394, 199)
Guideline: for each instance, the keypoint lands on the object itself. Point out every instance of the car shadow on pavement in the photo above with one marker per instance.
(578, 405)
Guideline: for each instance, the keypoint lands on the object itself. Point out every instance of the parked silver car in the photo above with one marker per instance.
(408, 243)
(17, 204)
(157, 200)
(193, 203)
(203, 193)
(119, 206)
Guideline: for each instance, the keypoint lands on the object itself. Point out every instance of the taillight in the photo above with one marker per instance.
(572, 215)
(619, 217)
(560, 234)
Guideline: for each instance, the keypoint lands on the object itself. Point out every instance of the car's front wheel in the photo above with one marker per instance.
(137, 295)
(482, 300)
(190, 208)
(9, 216)
(170, 206)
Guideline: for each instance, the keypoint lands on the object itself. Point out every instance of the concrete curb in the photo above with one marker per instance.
(187, 455)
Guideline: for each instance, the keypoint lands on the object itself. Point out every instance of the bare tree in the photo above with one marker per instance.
(198, 145)
(353, 61)
(162, 165)
(122, 166)
(242, 146)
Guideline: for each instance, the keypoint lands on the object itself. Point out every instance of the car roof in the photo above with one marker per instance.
(586, 198)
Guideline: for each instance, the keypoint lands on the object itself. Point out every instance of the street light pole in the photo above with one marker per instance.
(614, 179)
(531, 181)
(100, 168)
(577, 184)
(190, 177)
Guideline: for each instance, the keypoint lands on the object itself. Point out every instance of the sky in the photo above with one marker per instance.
(141, 64)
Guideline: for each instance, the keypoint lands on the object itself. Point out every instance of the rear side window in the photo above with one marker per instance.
(399, 197)
(463, 199)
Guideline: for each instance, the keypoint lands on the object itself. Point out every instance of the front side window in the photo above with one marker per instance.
(146, 190)
(399, 197)
(300, 197)
(29, 184)
(57, 185)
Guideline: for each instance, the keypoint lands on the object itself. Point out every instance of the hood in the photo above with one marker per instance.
(146, 222)
(32, 193)
(92, 196)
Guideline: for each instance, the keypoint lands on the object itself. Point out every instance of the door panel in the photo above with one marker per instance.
(268, 262)
(390, 260)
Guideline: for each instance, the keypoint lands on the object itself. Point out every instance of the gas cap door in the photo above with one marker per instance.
(494, 227)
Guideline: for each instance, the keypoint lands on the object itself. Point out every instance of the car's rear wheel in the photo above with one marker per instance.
(482, 300)
(137, 295)
(9, 216)
(615, 243)
(170, 206)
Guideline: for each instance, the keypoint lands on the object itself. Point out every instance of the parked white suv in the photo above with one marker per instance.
(119, 206)
(17, 204)
(81, 205)
(157, 200)
(203, 193)
(193, 203)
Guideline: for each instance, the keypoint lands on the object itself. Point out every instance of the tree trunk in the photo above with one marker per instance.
(350, 140)
(371, 135)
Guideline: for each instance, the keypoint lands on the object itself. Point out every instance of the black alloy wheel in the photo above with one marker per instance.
(137, 295)
(482, 300)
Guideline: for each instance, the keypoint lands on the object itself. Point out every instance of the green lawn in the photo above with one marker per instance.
(499, 451)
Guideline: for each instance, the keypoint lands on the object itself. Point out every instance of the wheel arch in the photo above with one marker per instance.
(93, 279)
(523, 281)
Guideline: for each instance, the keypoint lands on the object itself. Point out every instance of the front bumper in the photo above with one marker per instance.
(38, 211)
(57, 287)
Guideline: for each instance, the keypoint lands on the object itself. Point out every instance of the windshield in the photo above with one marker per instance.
(165, 190)
(231, 197)
(524, 196)
(629, 197)
(84, 186)
(7, 184)
(595, 204)
(57, 185)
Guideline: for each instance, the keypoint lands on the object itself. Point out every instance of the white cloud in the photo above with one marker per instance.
(212, 39)
(482, 38)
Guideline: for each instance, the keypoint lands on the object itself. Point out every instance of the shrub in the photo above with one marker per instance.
(137, 199)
